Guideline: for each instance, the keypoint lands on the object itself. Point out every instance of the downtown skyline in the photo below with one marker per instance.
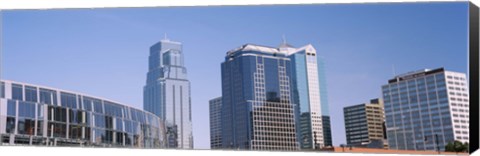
(126, 52)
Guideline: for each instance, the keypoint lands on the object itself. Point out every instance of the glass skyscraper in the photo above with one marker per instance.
(167, 92)
(310, 95)
(257, 109)
(425, 107)
(264, 88)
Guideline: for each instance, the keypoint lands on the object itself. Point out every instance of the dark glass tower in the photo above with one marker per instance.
(257, 109)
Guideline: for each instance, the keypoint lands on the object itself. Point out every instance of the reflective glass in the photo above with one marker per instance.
(75, 131)
(57, 129)
(26, 126)
(68, 100)
(30, 94)
(2, 89)
(11, 108)
(48, 96)
(26, 109)
(17, 92)
(10, 127)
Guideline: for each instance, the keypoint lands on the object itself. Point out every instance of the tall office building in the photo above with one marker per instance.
(294, 76)
(167, 92)
(364, 124)
(309, 93)
(257, 109)
(215, 123)
(425, 107)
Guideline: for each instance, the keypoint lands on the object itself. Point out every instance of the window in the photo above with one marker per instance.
(98, 135)
(98, 106)
(48, 96)
(68, 100)
(17, 92)
(99, 120)
(57, 129)
(30, 94)
(26, 109)
(59, 114)
(75, 131)
(2, 89)
(10, 127)
(113, 109)
(26, 126)
(118, 124)
(11, 108)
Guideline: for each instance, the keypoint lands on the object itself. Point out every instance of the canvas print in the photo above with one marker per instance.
(367, 78)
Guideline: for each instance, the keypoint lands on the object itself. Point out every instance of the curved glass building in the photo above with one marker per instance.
(37, 115)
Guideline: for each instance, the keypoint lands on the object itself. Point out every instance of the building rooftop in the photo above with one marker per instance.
(415, 74)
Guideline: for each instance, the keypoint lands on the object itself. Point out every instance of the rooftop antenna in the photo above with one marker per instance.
(284, 39)
(165, 36)
(393, 70)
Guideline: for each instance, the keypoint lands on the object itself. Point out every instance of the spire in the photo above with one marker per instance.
(284, 43)
(165, 36)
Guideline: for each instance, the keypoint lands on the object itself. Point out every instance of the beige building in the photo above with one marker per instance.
(364, 124)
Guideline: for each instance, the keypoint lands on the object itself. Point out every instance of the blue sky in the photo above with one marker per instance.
(104, 52)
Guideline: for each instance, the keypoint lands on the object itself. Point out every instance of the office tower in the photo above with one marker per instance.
(167, 92)
(425, 107)
(215, 123)
(310, 96)
(42, 116)
(364, 124)
(257, 109)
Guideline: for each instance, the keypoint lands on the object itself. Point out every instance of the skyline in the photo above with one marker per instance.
(339, 32)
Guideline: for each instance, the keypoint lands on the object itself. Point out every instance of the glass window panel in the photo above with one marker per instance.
(30, 94)
(26, 126)
(98, 135)
(26, 109)
(87, 133)
(10, 127)
(11, 108)
(17, 92)
(109, 122)
(68, 100)
(98, 106)
(99, 120)
(108, 137)
(87, 103)
(57, 129)
(40, 127)
(60, 114)
(75, 131)
(118, 124)
(2, 89)
(48, 96)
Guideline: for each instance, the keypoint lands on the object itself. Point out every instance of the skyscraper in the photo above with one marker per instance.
(167, 92)
(257, 109)
(426, 107)
(215, 123)
(265, 77)
(310, 96)
(364, 124)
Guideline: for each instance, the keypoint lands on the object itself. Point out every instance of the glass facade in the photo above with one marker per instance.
(167, 92)
(215, 107)
(419, 111)
(310, 95)
(75, 120)
(257, 109)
